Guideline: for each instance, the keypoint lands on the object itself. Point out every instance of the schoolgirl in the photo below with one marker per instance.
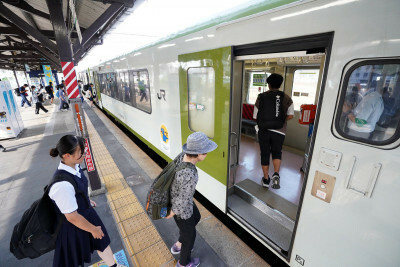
(184, 211)
(83, 231)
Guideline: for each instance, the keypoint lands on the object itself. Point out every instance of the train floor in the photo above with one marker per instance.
(291, 178)
(126, 172)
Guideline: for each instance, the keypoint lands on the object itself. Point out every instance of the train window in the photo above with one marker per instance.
(141, 90)
(201, 94)
(257, 83)
(305, 82)
(369, 108)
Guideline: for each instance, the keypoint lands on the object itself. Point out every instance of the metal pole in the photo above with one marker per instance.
(16, 78)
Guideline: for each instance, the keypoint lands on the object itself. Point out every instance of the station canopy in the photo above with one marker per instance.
(28, 29)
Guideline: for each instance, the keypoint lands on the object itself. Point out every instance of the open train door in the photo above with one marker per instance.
(205, 82)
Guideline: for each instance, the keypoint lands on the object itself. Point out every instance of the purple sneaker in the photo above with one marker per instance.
(175, 249)
(193, 263)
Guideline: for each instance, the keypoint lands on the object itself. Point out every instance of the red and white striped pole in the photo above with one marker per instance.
(71, 84)
(70, 80)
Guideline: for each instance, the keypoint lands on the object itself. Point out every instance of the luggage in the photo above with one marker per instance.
(65, 105)
(36, 233)
(158, 204)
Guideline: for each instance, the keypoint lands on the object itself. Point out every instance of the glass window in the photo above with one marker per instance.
(369, 108)
(142, 90)
(201, 94)
(132, 89)
(111, 88)
(258, 84)
(305, 82)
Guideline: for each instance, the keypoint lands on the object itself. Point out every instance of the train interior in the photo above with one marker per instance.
(271, 213)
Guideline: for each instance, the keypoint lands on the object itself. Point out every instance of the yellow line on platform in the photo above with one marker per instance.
(142, 240)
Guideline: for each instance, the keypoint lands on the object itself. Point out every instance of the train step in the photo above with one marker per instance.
(267, 213)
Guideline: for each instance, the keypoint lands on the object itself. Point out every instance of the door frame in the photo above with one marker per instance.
(312, 44)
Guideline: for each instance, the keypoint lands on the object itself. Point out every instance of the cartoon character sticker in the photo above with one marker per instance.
(164, 137)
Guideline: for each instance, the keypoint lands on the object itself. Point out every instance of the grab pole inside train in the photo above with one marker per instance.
(64, 47)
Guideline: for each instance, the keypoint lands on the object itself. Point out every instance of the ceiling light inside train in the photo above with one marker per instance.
(166, 45)
(337, 3)
(194, 39)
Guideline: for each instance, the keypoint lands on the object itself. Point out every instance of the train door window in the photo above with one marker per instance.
(369, 107)
(201, 95)
(125, 89)
(111, 86)
(305, 82)
(101, 82)
(132, 92)
(141, 87)
(120, 85)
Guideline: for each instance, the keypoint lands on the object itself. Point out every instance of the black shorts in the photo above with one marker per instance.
(270, 143)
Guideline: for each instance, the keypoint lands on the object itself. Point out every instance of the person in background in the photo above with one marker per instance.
(83, 231)
(24, 93)
(2, 148)
(63, 98)
(50, 91)
(37, 99)
(80, 89)
(90, 95)
(184, 210)
(364, 116)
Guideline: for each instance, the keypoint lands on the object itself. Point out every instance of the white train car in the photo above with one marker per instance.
(341, 55)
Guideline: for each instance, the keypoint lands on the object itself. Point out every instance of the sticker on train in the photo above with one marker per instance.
(164, 137)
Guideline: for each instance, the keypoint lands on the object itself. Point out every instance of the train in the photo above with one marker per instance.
(338, 201)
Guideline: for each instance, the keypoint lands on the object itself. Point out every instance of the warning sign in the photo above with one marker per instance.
(88, 157)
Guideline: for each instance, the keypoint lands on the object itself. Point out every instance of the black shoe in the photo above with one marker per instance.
(265, 182)
(275, 181)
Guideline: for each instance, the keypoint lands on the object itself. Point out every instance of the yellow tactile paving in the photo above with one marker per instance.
(141, 239)
(144, 239)
(129, 211)
(156, 255)
(118, 203)
(135, 224)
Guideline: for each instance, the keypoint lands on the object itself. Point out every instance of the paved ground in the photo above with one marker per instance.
(26, 167)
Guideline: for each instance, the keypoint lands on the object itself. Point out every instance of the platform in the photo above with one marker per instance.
(127, 173)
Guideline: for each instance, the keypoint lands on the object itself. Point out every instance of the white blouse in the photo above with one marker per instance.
(63, 193)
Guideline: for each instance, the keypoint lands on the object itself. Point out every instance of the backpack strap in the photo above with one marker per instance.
(61, 178)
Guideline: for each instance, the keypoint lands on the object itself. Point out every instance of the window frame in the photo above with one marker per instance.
(342, 95)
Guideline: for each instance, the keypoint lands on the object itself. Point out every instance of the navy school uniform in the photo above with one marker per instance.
(74, 246)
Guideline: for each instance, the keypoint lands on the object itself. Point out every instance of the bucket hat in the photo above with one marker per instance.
(198, 143)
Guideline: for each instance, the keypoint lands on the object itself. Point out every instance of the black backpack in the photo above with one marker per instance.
(271, 114)
(16, 90)
(36, 233)
(158, 204)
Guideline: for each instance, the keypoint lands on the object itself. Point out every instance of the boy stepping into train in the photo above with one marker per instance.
(274, 109)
